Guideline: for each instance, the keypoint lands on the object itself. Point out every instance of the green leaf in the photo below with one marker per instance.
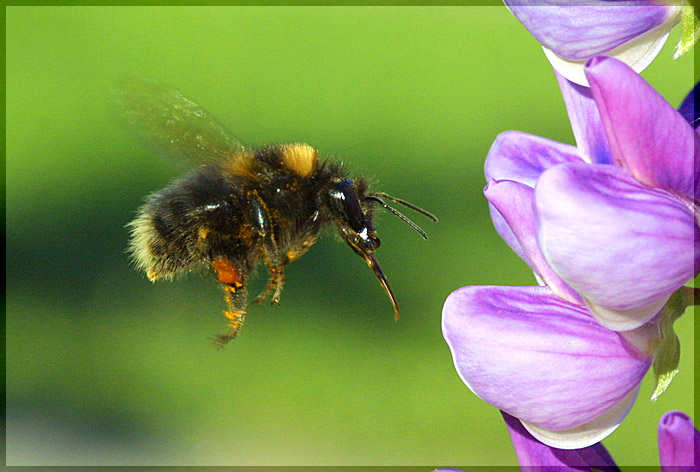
(669, 348)
(666, 363)
(690, 29)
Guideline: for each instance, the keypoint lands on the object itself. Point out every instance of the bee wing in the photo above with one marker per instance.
(171, 123)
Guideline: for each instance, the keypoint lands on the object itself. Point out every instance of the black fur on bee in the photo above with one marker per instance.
(244, 206)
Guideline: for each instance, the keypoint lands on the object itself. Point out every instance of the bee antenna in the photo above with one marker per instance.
(423, 212)
(398, 214)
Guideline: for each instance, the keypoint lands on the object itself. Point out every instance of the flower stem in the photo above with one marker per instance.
(690, 296)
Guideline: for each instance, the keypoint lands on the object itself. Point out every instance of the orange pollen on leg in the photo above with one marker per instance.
(227, 272)
(234, 316)
(295, 254)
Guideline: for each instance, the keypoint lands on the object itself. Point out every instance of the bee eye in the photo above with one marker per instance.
(345, 204)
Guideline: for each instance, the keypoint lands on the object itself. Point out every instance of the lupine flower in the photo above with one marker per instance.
(572, 31)
(679, 442)
(538, 457)
(610, 228)
(545, 361)
(679, 446)
(615, 218)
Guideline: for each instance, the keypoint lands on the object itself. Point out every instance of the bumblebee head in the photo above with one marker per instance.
(352, 210)
(354, 219)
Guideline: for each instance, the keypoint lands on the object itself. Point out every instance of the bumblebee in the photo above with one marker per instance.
(242, 206)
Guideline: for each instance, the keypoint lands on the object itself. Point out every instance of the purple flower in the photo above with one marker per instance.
(679, 446)
(679, 442)
(573, 31)
(538, 457)
(545, 361)
(619, 237)
(610, 228)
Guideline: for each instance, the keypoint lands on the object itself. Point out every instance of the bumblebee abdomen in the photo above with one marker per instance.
(170, 230)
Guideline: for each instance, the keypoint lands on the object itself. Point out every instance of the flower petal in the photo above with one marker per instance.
(620, 244)
(590, 432)
(514, 203)
(522, 157)
(541, 359)
(679, 442)
(538, 457)
(589, 132)
(577, 32)
(646, 134)
(621, 319)
(637, 53)
(504, 231)
(688, 109)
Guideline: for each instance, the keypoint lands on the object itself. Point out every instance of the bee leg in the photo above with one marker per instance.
(236, 296)
(275, 283)
(276, 270)
(270, 251)
(237, 301)
(279, 284)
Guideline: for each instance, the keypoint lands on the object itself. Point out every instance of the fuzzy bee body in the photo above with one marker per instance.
(220, 211)
(242, 207)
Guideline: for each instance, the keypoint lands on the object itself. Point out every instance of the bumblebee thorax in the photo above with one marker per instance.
(300, 158)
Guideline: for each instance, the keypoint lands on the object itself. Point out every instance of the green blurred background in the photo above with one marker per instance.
(104, 367)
